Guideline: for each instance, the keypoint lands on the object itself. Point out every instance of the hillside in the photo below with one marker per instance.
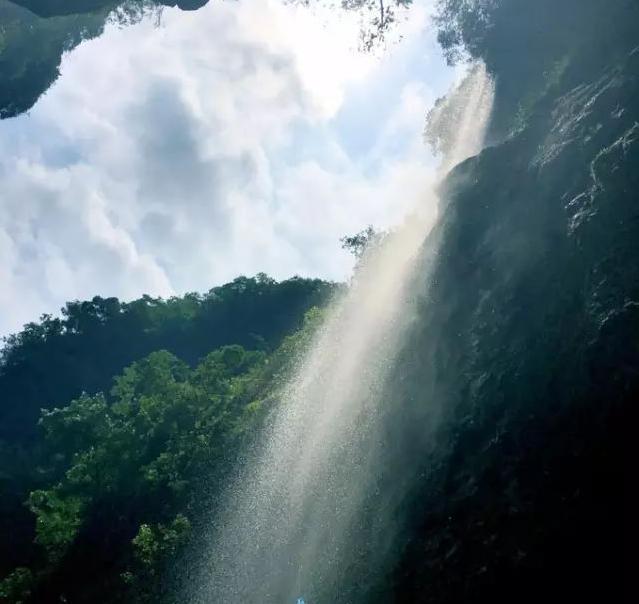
(53, 362)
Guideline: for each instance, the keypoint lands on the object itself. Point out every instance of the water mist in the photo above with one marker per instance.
(308, 516)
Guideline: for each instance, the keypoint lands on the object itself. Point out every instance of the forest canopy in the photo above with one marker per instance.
(120, 472)
(56, 359)
(75, 445)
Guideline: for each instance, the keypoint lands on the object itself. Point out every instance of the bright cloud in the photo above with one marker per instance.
(243, 137)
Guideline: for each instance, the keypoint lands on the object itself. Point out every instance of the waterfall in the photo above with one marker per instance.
(306, 517)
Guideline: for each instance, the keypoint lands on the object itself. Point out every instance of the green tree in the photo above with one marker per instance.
(125, 469)
(360, 242)
(58, 359)
(153, 546)
(16, 588)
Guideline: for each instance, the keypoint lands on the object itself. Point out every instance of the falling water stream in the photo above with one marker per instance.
(305, 516)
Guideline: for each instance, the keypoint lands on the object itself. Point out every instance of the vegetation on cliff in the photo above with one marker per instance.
(100, 475)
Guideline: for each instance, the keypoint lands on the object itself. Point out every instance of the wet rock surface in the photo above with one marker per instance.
(526, 359)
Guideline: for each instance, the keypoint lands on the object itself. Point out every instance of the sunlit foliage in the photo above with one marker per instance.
(125, 469)
(60, 359)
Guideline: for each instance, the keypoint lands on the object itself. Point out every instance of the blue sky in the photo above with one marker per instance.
(240, 138)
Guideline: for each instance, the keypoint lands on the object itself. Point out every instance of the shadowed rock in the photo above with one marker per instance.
(35, 34)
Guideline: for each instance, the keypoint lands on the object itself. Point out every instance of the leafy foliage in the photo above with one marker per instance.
(56, 359)
(360, 242)
(59, 359)
(16, 587)
(381, 18)
(154, 542)
(58, 520)
(125, 468)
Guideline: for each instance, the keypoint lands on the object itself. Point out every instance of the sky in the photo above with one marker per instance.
(244, 137)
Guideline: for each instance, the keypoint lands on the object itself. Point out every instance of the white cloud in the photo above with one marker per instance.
(170, 159)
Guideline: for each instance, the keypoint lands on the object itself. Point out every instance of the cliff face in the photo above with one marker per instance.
(56, 8)
(526, 356)
(34, 34)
